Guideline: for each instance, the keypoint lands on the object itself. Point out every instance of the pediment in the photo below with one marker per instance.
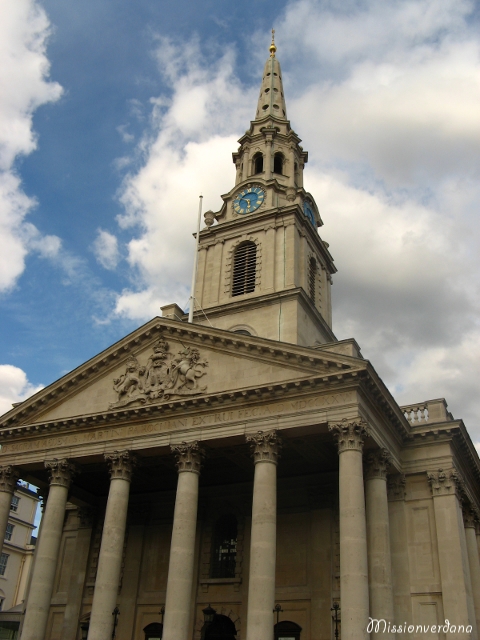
(169, 361)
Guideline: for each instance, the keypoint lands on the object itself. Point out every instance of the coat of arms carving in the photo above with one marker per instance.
(163, 377)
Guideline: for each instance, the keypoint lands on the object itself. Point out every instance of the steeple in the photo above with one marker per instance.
(271, 101)
(263, 269)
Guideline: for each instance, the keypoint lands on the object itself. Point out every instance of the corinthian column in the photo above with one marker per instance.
(378, 541)
(263, 545)
(121, 465)
(182, 551)
(41, 588)
(8, 481)
(457, 595)
(470, 519)
(350, 435)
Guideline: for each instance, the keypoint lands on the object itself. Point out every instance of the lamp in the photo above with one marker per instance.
(209, 614)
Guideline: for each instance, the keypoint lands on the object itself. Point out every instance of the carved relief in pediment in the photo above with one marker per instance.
(162, 377)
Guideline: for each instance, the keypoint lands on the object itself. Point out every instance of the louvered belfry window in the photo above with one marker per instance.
(312, 276)
(244, 268)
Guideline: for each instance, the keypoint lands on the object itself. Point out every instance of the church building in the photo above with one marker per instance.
(246, 476)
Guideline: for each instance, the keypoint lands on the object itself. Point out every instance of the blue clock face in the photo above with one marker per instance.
(249, 200)
(307, 210)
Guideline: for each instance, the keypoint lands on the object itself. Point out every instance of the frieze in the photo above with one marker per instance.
(163, 377)
(106, 434)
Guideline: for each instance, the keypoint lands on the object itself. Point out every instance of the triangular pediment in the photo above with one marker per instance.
(168, 361)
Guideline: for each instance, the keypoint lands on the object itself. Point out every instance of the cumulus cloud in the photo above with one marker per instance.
(187, 153)
(105, 248)
(14, 386)
(24, 70)
(388, 108)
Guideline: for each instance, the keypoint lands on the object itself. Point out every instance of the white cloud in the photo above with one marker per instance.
(24, 69)
(188, 153)
(105, 248)
(388, 109)
(14, 386)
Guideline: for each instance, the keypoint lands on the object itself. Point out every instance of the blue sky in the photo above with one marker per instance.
(116, 115)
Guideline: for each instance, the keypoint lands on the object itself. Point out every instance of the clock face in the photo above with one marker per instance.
(248, 200)
(307, 210)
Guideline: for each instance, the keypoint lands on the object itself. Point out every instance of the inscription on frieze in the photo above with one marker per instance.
(270, 412)
(164, 376)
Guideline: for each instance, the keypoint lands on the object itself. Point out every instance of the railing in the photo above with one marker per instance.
(427, 412)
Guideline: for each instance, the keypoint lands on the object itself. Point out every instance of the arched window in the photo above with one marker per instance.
(244, 268)
(295, 169)
(312, 278)
(278, 163)
(224, 547)
(257, 163)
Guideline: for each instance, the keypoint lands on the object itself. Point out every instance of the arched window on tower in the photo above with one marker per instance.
(278, 160)
(257, 162)
(244, 268)
(295, 169)
(312, 278)
(224, 547)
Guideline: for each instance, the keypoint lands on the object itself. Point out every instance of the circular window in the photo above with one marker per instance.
(275, 106)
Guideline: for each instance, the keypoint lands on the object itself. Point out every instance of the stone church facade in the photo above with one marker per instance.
(245, 475)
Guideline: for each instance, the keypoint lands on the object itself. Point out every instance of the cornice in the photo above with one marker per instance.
(323, 381)
(256, 301)
(376, 391)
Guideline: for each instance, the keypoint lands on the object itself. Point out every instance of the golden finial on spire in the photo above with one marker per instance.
(273, 47)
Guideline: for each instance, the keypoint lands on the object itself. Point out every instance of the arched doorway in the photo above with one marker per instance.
(153, 631)
(287, 630)
(221, 628)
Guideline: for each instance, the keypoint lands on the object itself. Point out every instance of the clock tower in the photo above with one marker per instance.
(262, 267)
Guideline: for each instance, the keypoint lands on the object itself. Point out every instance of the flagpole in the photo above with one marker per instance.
(195, 260)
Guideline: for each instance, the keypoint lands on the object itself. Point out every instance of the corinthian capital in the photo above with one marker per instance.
(396, 487)
(266, 446)
(349, 434)
(443, 483)
(377, 463)
(470, 517)
(61, 471)
(8, 478)
(121, 464)
(188, 456)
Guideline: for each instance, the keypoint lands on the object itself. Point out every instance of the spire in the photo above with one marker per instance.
(271, 101)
